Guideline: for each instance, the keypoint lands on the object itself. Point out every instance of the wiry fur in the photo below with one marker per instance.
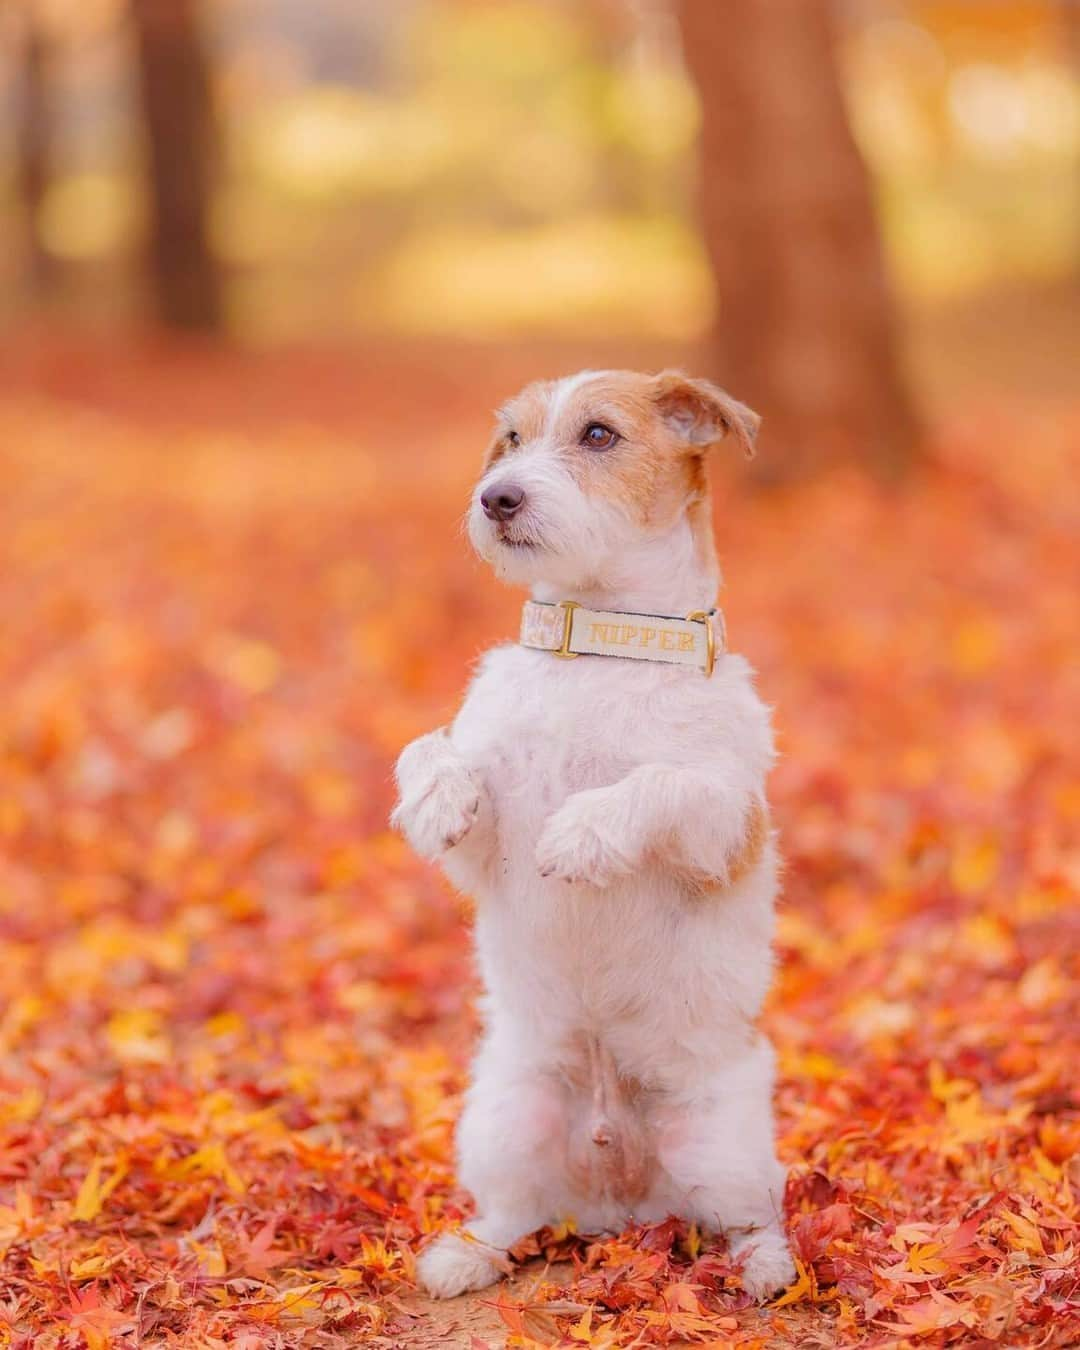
(609, 818)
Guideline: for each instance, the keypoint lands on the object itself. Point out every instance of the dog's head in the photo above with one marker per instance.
(581, 469)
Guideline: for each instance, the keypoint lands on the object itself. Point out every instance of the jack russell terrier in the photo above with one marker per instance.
(601, 794)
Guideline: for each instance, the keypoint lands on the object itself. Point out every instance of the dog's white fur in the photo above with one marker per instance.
(620, 1076)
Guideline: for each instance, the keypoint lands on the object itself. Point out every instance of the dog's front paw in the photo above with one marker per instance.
(580, 843)
(441, 814)
(453, 1264)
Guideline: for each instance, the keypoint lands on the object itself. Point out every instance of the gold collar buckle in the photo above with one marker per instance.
(567, 607)
(705, 616)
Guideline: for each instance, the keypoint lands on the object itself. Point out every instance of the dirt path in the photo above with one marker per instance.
(427, 1322)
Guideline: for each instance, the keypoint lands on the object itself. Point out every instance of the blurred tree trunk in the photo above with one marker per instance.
(804, 327)
(1069, 13)
(182, 153)
(34, 141)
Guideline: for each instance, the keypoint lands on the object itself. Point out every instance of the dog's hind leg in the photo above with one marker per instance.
(509, 1144)
(717, 1150)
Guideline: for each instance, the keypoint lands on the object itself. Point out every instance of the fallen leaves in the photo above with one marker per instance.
(94, 1192)
(235, 1012)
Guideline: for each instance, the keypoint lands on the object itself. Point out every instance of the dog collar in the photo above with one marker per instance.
(568, 629)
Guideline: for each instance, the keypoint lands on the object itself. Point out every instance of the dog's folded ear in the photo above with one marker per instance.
(701, 413)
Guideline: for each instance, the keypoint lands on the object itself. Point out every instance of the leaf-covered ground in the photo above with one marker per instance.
(235, 1014)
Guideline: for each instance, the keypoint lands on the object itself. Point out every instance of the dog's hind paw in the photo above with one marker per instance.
(767, 1266)
(453, 1265)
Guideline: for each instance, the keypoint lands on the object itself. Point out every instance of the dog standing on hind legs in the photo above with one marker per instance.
(601, 796)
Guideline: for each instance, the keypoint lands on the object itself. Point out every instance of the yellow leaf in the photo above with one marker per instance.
(210, 1257)
(942, 1087)
(987, 939)
(346, 1277)
(137, 1035)
(1047, 1170)
(88, 1201)
(582, 1328)
(226, 1024)
(811, 1064)
(974, 866)
(923, 1259)
(93, 1267)
(804, 1287)
(1030, 1239)
(22, 1108)
(92, 1194)
(212, 1160)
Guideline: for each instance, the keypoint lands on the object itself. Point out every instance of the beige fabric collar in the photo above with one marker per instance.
(568, 629)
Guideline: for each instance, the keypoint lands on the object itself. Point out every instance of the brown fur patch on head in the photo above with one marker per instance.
(702, 413)
(645, 471)
(524, 416)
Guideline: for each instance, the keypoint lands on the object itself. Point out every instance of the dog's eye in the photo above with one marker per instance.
(598, 437)
(512, 438)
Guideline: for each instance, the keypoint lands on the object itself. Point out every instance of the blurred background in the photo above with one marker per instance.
(845, 216)
(266, 266)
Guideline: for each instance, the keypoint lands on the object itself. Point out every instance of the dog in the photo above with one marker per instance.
(601, 796)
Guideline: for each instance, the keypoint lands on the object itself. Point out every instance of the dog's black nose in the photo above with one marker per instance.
(502, 501)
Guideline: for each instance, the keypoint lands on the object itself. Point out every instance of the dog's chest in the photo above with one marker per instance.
(543, 728)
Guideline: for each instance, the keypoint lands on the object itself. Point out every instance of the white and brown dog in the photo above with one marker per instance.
(608, 815)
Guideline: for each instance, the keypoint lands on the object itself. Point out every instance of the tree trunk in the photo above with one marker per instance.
(181, 148)
(1069, 14)
(34, 143)
(804, 323)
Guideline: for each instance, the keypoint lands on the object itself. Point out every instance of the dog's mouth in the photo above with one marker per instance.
(508, 540)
